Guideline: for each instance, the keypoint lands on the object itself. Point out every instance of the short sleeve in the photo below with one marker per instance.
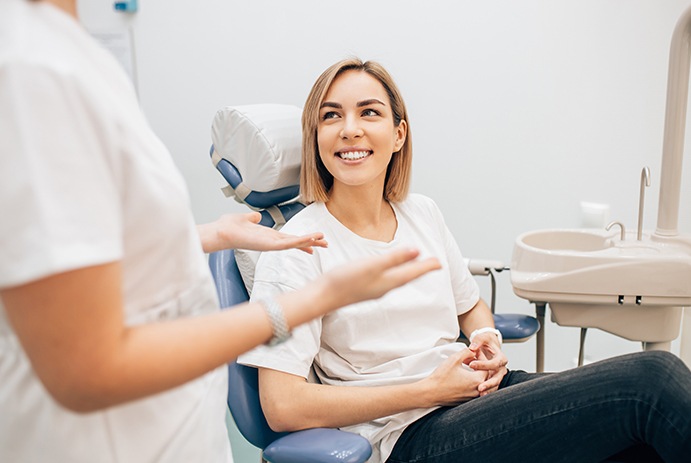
(465, 288)
(58, 187)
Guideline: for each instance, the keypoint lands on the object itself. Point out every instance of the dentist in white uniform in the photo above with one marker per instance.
(112, 344)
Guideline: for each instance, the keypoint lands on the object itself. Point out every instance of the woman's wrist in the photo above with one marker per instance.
(423, 393)
(487, 329)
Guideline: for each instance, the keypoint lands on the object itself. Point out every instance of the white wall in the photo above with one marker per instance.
(519, 109)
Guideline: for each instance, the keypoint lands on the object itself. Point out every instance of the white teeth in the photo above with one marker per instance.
(353, 155)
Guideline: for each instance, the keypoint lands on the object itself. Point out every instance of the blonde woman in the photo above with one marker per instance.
(391, 369)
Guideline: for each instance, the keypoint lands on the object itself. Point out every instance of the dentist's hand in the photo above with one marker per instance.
(490, 359)
(373, 277)
(242, 231)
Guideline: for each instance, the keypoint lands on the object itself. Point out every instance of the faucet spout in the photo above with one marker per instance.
(675, 123)
(622, 235)
(645, 181)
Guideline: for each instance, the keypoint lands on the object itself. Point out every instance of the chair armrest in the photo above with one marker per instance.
(319, 445)
(483, 266)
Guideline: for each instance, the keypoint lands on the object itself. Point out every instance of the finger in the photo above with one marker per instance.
(308, 250)
(409, 271)
(254, 217)
(303, 243)
(314, 238)
(308, 246)
(475, 347)
(319, 241)
(492, 364)
(463, 356)
(491, 384)
(395, 258)
(488, 391)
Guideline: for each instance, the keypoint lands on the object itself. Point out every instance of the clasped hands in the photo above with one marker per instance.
(489, 358)
(472, 372)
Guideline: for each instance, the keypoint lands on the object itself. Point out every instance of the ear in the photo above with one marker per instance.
(401, 132)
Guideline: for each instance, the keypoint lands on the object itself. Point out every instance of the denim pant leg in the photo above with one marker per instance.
(585, 414)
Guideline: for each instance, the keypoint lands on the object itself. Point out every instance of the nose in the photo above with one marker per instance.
(351, 128)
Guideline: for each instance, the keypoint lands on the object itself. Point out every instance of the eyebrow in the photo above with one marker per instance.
(359, 104)
(369, 102)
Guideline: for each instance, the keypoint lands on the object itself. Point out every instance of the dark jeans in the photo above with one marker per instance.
(636, 407)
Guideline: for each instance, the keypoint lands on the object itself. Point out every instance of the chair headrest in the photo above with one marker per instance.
(257, 149)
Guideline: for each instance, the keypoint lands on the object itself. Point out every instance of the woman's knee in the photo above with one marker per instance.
(654, 366)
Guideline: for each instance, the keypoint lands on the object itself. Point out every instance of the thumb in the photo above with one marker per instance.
(253, 217)
(463, 356)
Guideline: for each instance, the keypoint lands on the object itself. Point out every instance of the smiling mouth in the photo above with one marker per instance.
(353, 155)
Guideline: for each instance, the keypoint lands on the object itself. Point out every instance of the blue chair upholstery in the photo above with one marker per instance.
(516, 327)
(258, 199)
(318, 445)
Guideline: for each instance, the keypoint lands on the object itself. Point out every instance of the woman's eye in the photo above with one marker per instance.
(329, 115)
(370, 112)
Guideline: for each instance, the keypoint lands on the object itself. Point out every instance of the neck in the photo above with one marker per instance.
(68, 6)
(364, 211)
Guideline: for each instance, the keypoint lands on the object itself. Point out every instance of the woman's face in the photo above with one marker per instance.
(356, 135)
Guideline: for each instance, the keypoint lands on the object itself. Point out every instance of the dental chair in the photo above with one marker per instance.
(319, 445)
(257, 150)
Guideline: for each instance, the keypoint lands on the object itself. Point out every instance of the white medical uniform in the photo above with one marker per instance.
(84, 181)
(399, 338)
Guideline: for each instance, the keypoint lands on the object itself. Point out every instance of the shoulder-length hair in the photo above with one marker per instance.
(315, 179)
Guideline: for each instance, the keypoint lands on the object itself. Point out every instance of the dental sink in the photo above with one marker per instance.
(593, 278)
(566, 240)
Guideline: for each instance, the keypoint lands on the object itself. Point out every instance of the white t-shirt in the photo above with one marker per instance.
(399, 338)
(84, 181)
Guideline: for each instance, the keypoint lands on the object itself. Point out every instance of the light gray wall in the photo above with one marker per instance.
(519, 109)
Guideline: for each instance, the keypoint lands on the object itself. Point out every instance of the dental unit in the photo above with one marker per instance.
(635, 288)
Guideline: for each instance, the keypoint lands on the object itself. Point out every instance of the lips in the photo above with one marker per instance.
(353, 155)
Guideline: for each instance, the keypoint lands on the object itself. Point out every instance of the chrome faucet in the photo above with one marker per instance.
(621, 225)
(645, 181)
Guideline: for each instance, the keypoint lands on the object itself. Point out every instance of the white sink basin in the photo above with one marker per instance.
(591, 278)
(566, 240)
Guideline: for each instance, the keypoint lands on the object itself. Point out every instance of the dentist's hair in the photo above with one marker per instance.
(315, 179)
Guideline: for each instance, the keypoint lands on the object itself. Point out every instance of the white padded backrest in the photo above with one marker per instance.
(246, 261)
(262, 141)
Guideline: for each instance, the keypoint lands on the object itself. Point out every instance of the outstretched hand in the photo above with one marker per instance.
(373, 277)
(242, 231)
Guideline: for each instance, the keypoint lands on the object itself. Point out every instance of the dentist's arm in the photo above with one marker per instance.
(71, 326)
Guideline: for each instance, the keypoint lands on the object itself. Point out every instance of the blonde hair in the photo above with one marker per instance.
(315, 179)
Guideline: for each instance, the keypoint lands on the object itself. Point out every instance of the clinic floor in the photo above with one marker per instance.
(243, 452)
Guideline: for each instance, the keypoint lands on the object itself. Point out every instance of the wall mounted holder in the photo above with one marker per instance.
(126, 6)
